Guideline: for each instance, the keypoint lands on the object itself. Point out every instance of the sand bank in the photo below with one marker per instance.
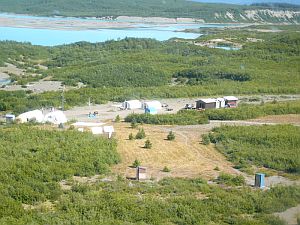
(90, 23)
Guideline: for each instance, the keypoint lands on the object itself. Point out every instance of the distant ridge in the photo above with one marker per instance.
(206, 12)
(249, 2)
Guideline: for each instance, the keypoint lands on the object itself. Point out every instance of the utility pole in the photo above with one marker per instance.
(62, 98)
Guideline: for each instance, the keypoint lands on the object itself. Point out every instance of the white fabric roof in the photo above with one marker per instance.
(132, 104)
(231, 98)
(97, 130)
(208, 100)
(152, 104)
(87, 124)
(108, 129)
(56, 117)
(36, 115)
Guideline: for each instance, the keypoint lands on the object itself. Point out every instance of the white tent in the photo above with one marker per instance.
(97, 130)
(220, 103)
(80, 129)
(231, 98)
(152, 104)
(132, 104)
(109, 129)
(87, 124)
(56, 117)
(35, 115)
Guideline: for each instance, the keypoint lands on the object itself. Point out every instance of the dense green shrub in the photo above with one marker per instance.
(117, 119)
(231, 179)
(130, 136)
(247, 111)
(34, 160)
(140, 134)
(171, 136)
(148, 144)
(276, 147)
(205, 139)
(166, 169)
(136, 163)
(183, 117)
(175, 201)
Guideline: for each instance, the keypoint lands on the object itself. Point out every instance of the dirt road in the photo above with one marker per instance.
(290, 215)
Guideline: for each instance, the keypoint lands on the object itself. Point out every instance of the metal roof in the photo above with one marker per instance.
(208, 100)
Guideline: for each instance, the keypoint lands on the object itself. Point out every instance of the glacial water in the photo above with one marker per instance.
(52, 37)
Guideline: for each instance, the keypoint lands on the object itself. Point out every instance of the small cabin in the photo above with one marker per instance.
(259, 180)
(207, 103)
(231, 101)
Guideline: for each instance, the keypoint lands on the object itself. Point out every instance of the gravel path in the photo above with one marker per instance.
(290, 215)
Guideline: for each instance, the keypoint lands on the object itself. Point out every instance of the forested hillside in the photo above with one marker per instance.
(144, 68)
(155, 8)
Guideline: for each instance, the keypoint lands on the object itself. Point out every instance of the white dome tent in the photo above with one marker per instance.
(35, 116)
(152, 104)
(132, 104)
(56, 117)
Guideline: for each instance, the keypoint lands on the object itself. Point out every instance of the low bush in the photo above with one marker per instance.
(171, 136)
(276, 147)
(232, 180)
(140, 134)
(148, 144)
(183, 117)
(250, 111)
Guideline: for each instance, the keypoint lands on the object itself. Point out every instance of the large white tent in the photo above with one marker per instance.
(97, 130)
(56, 117)
(132, 104)
(152, 104)
(35, 115)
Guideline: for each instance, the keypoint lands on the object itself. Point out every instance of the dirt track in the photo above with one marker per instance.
(110, 110)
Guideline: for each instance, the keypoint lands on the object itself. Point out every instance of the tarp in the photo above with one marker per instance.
(35, 115)
(151, 110)
(56, 117)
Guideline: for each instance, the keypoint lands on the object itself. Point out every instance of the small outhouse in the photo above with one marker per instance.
(259, 180)
(141, 173)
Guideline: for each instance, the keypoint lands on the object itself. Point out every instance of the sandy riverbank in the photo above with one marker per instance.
(90, 23)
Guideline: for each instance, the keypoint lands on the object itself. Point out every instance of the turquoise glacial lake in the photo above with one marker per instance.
(52, 37)
(48, 37)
